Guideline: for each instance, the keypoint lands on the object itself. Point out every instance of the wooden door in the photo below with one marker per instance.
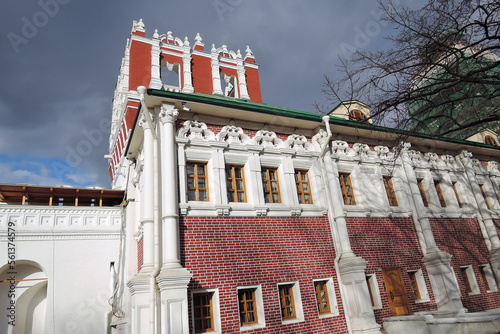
(396, 292)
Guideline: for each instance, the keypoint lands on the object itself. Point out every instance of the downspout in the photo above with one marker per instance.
(156, 226)
(333, 226)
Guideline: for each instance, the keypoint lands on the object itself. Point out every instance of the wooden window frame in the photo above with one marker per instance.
(389, 189)
(484, 277)
(300, 187)
(196, 178)
(283, 304)
(198, 296)
(243, 306)
(231, 184)
(484, 196)
(414, 285)
(422, 192)
(460, 205)
(343, 178)
(489, 140)
(357, 115)
(466, 279)
(439, 191)
(266, 184)
(370, 292)
(319, 290)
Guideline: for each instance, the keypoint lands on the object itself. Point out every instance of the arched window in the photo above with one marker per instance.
(357, 115)
(490, 141)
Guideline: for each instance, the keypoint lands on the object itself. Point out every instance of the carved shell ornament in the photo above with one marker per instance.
(267, 138)
(233, 135)
(298, 142)
(195, 130)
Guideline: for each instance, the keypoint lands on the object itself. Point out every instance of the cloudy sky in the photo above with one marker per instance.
(59, 61)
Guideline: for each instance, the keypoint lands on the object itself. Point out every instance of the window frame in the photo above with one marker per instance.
(298, 315)
(489, 140)
(266, 184)
(211, 307)
(300, 188)
(196, 188)
(345, 196)
(357, 115)
(331, 297)
(469, 278)
(233, 180)
(483, 192)
(439, 191)
(460, 204)
(389, 189)
(422, 192)
(258, 305)
(488, 279)
(373, 291)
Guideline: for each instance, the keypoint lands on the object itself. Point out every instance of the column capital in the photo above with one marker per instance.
(168, 114)
(143, 122)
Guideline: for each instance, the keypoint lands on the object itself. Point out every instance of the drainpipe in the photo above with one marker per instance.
(156, 224)
(333, 226)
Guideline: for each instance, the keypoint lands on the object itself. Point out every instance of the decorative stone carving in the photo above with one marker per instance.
(267, 138)
(321, 137)
(362, 150)
(415, 156)
(448, 160)
(384, 153)
(493, 166)
(340, 147)
(298, 143)
(195, 130)
(168, 115)
(233, 135)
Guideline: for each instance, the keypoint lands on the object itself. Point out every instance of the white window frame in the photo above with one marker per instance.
(422, 287)
(489, 277)
(215, 311)
(297, 300)
(371, 279)
(259, 304)
(469, 271)
(332, 298)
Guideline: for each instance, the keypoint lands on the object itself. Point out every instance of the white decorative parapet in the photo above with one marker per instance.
(60, 218)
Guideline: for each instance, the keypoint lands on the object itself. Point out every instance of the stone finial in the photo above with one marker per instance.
(224, 49)
(155, 35)
(140, 25)
(198, 38)
(238, 54)
(170, 36)
(186, 41)
(213, 50)
(248, 52)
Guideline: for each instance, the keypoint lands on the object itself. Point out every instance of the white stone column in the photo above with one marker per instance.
(485, 214)
(217, 88)
(147, 194)
(155, 62)
(173, 279)
(186, 66)
(242, 81)
(437, 262)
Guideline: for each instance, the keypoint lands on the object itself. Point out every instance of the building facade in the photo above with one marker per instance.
(243, 216)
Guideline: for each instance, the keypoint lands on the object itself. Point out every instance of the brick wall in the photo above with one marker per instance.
(140, 254)
(463, 239)
(389, 242)
(225, 253)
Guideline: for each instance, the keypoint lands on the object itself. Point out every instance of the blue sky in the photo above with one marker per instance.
(59, 61)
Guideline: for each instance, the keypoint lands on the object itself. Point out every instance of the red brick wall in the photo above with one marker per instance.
(463, 239)
(140, 256)
(225, 253)
(389, 242)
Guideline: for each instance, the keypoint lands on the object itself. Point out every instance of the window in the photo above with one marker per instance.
(469, 280)
(357, 115)
(197, 181)
(347, 191)
(271, 185)
(437, 185)
(422, 193)
(414, 285)
(287, 302)
(483, 276)
(235, 182)
(203, 312)
(373, 291)
(490, 140)
(322, 300)
(247, 306)
(389, 189)
(485, 198)
(456, 195)
(251, 307)
(303, 189)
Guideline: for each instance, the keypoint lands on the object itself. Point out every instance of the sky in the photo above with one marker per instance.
(59, 62)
